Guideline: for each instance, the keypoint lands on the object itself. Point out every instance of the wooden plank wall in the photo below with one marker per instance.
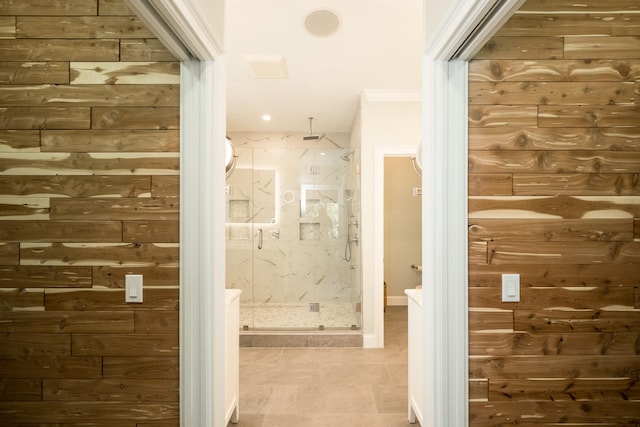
(89, 178)
(554, 163)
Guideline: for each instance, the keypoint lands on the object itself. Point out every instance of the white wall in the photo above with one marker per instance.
(387, 119)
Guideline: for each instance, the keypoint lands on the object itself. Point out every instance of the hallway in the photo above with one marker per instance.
(327, 386)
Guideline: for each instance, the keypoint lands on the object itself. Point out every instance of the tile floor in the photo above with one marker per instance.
(327, 386)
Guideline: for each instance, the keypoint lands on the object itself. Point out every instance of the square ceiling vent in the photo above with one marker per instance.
(268, 66)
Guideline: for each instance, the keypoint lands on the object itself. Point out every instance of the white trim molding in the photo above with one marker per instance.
(444, 196)
(181, 26)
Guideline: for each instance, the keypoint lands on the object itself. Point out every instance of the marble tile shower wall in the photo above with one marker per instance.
(296, 192)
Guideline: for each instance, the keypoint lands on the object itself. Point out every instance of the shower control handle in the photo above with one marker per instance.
(260, 238)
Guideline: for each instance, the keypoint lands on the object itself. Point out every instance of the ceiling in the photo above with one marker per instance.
(377, 47)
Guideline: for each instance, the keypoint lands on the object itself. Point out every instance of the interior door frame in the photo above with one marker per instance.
(181, 27)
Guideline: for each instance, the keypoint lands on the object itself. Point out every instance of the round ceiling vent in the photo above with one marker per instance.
(322, 23)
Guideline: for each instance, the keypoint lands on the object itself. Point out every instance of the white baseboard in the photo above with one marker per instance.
(369, 341)
(397, 300)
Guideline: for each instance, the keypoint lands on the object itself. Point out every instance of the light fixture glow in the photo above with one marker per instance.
(266, 117)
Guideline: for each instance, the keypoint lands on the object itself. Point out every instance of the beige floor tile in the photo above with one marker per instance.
(296, 399)
(279, 374)
(354, 374)
(391, 399)
(249, 420)
(260, 355)
(307, 420)
(382, 420)
(254, 398)
(311, 356)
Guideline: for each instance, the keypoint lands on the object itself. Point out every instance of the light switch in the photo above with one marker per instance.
(133, 288)
(510, 288)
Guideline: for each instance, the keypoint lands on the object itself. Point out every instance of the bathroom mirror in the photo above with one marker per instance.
(251, 196)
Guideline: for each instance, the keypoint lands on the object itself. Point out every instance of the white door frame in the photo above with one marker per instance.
(180, 26)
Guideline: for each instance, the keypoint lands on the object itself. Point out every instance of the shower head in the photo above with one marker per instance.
(311, 136)
(347, 157)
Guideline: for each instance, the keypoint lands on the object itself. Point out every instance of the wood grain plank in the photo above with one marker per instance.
(506, 70)
(9, 253)
(113, 276)
(161, 73)
(519, 412)
(57, 50)
(587, 184)
(165, 186)
(157, 322)
(477, 253)
(558, 25)
(113, 7)
(35, 344)
(19, 140)
(31, 208)
(7, 27)
(568, 6)
(532, 47)
(115, 209)
(554, 367)
(550, 207)
(562, 389)
(636, 228)
(563, 253)
(513, 138)
(27, 73)
(122, 390)
(45, 117)
(132, 50)
(61, 231)
(125, 345)
(490, 184)
(90, 164)
(67, 322)
(552, 93)
(21, 299)
(545, 230)
(20, 389)
(141, 367)
(136, 118)
(151, 231)
(489, 116)
(478, 390)
(48, 7)
(601, 47)
(49, 366)
(93, 95)
(44, 277)
(602, 116)
(566, 344)
(110, 140)
(81, 27)
(490, 320)
(75, 186)
(583, 298)
(602, 321)
(109, 300)
(548, 275)
(89, 412)
(93, 254)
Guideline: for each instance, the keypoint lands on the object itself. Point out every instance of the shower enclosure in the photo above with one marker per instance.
(292, 233)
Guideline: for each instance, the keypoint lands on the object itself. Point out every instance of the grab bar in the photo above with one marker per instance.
(260, 238)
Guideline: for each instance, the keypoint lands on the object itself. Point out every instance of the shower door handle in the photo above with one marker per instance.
(260, 238)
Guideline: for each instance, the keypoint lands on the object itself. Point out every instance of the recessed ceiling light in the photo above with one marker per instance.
(266, 117)
(322, 23)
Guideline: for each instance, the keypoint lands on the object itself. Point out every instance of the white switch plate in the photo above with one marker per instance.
(133, 288)
(510, 288)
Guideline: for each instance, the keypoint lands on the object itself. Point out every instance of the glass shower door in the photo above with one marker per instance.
(289, 215)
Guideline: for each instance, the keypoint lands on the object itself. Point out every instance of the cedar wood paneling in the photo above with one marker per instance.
(554, 194)
(89, 179)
